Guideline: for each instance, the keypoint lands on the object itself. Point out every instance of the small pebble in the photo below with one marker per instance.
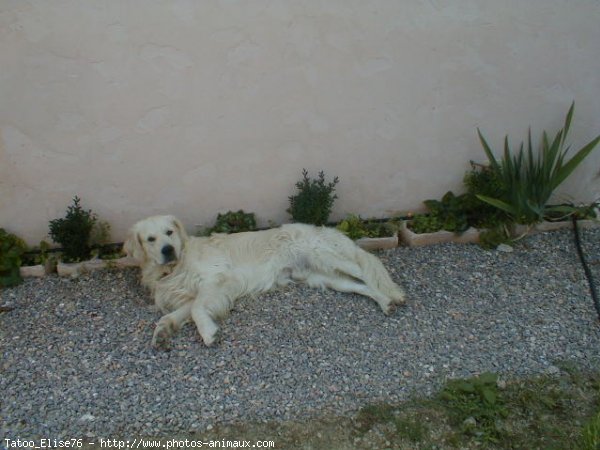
(505, 248)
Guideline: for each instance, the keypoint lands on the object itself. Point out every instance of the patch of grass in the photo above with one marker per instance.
(544, 412)
(482, 412)
(374, 414)
(475, 407)
(411, 428)
(549, 412)
(590, 436)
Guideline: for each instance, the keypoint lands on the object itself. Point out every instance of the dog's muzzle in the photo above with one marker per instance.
(168, 252)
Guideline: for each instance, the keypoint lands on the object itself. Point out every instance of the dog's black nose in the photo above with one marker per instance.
(168, 252)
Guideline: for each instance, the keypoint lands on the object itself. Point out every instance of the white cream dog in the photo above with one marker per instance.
(199, 278)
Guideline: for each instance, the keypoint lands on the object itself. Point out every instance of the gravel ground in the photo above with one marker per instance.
(76, 356)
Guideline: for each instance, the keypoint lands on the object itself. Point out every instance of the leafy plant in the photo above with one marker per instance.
(449, 213)
(12, 249)
(581, 212)
(456, 213)
(355, 228)
(475, 404)
(73, 232)
(531, 179)
(100, 233)
(314, 201)
(233, 222)
(493, 237)
(37, 255)
(425, 223)
(100, 241)
(451, 210)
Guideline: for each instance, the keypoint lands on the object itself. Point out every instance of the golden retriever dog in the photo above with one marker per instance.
(199, 278)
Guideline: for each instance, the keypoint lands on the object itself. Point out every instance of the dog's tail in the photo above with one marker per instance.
(376, 276)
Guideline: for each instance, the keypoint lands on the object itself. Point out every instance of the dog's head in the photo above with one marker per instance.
(156, 240)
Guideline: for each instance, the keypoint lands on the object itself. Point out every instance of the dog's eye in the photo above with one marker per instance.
(151, 239)
(169, 232)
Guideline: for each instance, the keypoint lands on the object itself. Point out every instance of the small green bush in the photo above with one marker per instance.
(233, 222)
(73, 232)
(314, 201)
(482, 180)
(12, 249)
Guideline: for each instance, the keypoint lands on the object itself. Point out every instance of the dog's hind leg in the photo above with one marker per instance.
(374, 274)
(362, 266)
(343, 284)
(169, 323)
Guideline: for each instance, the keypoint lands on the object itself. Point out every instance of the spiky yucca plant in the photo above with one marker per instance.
(529, 179)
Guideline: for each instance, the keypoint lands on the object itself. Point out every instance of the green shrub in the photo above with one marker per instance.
(482, 180)
(314, 201)
(529, 180)
(73, 232)
(12, 249)
(355, 228)
(233, 222)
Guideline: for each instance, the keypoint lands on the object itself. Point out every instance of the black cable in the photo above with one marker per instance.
(586, 268)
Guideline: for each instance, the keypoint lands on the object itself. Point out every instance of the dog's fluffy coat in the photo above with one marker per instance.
(199, 278)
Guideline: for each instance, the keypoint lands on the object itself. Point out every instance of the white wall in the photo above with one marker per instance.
(195, 107)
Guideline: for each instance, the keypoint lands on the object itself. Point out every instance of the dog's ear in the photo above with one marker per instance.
(133, 246)
(180, 229)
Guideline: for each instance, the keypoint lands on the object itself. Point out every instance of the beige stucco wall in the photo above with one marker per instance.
(196, 107)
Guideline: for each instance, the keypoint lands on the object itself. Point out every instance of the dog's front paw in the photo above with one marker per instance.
(162, 337)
